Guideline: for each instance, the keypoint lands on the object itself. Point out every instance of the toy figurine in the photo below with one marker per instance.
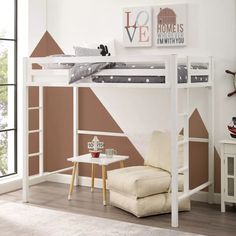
(104, 50)
(94, 147)
(232, 127)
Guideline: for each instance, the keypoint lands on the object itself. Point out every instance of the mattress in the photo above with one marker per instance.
(116, 78)
(111, 72)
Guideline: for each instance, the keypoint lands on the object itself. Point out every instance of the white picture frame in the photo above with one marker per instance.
(170, 25)
(137, 27)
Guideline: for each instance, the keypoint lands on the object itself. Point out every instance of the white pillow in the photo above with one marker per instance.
(84, 52)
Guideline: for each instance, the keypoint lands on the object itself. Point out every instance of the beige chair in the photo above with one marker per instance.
(145, 190)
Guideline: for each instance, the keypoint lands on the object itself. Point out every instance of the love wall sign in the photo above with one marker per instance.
(169, 24)
(137, 31)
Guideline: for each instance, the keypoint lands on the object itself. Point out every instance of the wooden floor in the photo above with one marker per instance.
(203, 218)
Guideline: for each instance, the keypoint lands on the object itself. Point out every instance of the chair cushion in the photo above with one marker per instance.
(140, 181)
(151, 205)
(159, 152)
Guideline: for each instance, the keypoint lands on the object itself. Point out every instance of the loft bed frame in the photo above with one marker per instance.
(59, 78)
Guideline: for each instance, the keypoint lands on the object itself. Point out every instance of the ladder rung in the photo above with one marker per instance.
(193, 191)
(34, 108)
(185, 141)
(183, 169)
(35, 131)
(35, 154)
(113, 134)
(199, 140)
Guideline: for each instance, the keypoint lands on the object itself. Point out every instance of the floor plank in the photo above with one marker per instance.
(203, 218)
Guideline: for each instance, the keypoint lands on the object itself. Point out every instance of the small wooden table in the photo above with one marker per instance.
(101, 161)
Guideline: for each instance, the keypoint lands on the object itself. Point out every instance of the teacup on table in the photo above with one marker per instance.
(110, 152)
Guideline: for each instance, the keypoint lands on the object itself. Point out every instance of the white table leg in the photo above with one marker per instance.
(92, 177)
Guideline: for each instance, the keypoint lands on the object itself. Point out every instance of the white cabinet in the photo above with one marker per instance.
(228, 172)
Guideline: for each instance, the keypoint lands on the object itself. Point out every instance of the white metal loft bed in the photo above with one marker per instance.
(59, 78)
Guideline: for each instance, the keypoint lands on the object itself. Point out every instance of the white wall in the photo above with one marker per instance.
(31, 27)
(37, 22)
(212, 31)
(23, 19)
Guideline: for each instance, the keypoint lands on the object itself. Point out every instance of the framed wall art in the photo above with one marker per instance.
(137, 27)
(170, 25)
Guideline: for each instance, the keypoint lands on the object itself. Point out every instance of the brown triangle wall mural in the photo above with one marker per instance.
(198, 154)
(45, 47)
(58, 128)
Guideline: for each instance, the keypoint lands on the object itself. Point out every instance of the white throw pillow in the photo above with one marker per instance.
(85, 52)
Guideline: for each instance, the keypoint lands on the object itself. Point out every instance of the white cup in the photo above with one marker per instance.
(110, 152)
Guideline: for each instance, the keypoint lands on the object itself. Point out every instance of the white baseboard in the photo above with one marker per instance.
(16, 183)
(82, 181)
(59, 178)
(201, 196)
(10, 185)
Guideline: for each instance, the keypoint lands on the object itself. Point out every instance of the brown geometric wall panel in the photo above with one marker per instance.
(34, 166)
(198, 164)
(34, 148)
(198, 154)
(196, 126)
(58, 128)
(217, 172)
(45, 47)
(93, 115)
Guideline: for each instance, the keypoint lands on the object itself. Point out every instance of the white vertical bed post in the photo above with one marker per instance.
(222, 176)
(25, 184)
(75, 128)
(186, 145)
(174, 141)
(211, 124)
(41, 155)
(186, 132)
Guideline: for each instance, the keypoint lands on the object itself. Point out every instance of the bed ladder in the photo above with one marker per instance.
(39, 131)
(27, 132)
(176, 143)
(182, 143)
(185, 142)
(185, 116)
